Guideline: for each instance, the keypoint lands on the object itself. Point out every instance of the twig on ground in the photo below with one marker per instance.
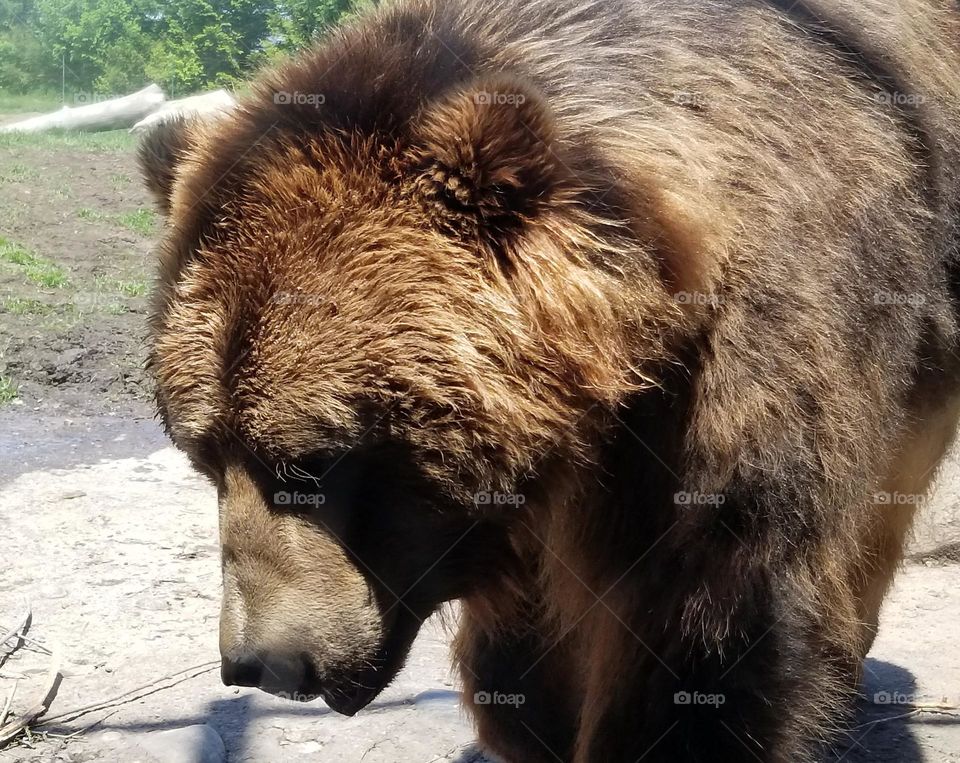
(19, 629)
(38, 646)
(134, 694)
(83, 730)
(6, 705)
(52, 684)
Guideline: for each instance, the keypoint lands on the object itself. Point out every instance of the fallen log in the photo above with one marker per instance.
(204, 105)
(114, 114)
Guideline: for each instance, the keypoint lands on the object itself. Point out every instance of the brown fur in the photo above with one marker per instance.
(595, 255)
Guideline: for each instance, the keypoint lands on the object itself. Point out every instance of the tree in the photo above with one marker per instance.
(108, 47)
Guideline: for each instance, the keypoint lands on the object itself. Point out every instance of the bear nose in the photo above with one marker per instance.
(245, 670)
(276, 672)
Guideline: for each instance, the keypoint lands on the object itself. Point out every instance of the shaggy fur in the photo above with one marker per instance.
(595, 257)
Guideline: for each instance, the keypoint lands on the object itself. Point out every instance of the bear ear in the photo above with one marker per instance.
(483, 159)
(161, 152)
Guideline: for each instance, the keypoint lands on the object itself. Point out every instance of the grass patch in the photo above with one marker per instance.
(132, 288)
(19, 306)
(38, 270)
(25, 103)
(85, 213)
(120, 181)
(114, 141)
(8, 391)
(110, 295)
(142, 221)
(16, 173)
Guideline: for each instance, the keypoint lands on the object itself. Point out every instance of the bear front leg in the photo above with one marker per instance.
(767, 691)
(520, 691)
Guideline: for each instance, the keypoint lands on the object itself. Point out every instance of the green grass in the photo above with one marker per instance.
(111, 292)
(119, 180)
(19, 306)
(114, 141)
(132, 288)
(11, 103)
(8, 391)
(85, 213)
(38, 270)
(15, 173)
(142, 221)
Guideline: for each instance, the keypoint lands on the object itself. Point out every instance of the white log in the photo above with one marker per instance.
(206, 105)
(115, 114)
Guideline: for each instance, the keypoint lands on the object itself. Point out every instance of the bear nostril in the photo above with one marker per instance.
(244, 671)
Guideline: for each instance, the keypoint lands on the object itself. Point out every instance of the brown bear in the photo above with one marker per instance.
(632, 326)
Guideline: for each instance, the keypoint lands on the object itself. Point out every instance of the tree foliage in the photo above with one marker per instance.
(103, 48)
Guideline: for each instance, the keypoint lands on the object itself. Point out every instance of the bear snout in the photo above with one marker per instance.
(281, 673)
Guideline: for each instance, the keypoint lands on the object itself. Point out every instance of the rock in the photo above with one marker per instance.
(189, 744)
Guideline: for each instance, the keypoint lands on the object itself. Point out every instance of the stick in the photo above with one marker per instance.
(18, 629)
(34, 643)
(83, 730)
(139, 692)
(11, 730)
(6, 707)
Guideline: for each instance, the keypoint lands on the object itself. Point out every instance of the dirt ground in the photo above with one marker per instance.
(72, 314)
(112, 539)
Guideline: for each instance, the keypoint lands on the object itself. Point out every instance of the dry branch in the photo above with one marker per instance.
(135, 694)
(52, 684)
(6, 705)
(18, 630)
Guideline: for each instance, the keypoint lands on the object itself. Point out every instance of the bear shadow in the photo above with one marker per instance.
(881, 729)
